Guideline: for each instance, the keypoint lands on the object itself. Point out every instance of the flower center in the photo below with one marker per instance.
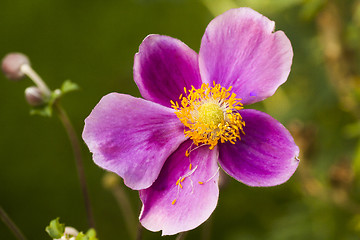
(210, 115)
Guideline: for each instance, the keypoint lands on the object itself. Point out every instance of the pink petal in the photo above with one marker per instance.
(132, 137)
(240, 49)
(163, 67)
(265, 156)
(194, 202)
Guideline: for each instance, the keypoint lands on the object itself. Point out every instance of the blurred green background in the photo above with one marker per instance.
(93, 43)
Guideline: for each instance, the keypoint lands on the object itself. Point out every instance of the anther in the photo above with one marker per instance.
(210, 115)
(182, 179)
(201, 183)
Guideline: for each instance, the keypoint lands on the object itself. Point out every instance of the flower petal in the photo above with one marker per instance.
(239, 49)
(265, 156)
(194, 202)
(163, 67)
(132, 137)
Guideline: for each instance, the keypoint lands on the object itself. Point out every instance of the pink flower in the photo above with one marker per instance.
(169, 144)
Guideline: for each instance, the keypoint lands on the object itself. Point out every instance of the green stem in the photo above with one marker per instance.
(11, 225)
(78, 160)
(27, 69)
(206, 229)
(125, 206)
(181, 236)
(139, 232)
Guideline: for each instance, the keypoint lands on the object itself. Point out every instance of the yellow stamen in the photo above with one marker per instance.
(182, 179)
(210, 115)
(201, 183)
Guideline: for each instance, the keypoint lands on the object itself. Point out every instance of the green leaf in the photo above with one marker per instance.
(81, 236)
(91, 233)
(55, 229)
(69, 86)
(45, 111)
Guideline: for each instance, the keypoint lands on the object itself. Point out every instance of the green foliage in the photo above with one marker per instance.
(55, 229)
(90, 235)
(311, 8)
(68, 86)
(47, 109)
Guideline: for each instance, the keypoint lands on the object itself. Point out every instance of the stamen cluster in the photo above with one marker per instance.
(210, 115)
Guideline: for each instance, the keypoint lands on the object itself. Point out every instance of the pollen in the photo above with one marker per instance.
(210, 115)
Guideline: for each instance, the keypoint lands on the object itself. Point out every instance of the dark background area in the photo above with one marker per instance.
(93, 43)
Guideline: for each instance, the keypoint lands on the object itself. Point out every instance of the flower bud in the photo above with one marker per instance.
(11, 65)
(34, 96)
(110, 180)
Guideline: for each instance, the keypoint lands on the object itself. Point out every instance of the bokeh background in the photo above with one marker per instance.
(93, 43)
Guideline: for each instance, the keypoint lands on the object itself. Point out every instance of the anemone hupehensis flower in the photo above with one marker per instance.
(192, 120)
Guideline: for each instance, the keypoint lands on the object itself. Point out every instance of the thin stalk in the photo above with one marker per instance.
(206, 229)
(27, 69)
(124, 204)
(11, 225)
(181, 236)
(74, 141)
(78, 160)
(139, 232)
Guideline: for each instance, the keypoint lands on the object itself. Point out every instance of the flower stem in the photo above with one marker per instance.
(74, 141)
(206, 229)
(181, 236)
(78, 160)
(27, 69)
(124, 204)
(139, 232)
(11, 225)
(111, 181)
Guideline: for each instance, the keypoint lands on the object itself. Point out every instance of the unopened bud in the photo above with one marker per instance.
(110, 180)
(11, 65)
(34, 96)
